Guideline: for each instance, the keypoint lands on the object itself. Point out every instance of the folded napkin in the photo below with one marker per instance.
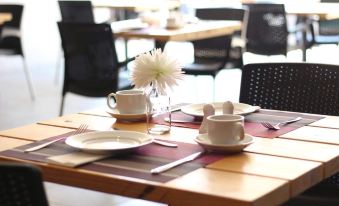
(75, 159)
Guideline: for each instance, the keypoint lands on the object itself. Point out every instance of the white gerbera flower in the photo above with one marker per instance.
(158, 68)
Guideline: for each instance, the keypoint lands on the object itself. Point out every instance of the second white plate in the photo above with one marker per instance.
(239, 108)
(102, 142)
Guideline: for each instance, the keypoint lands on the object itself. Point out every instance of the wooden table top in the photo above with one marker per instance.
(135, 5)
(268, 172)
(5, 17)
(194, 31)
(323, 10)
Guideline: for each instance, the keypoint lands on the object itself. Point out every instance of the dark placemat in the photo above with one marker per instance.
(252, 122)
(136, 164)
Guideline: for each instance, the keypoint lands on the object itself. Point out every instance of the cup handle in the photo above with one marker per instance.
(109, 101)
(241, 130)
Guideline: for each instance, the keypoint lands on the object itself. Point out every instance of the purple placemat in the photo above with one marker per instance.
(252, 122)
(136, 164)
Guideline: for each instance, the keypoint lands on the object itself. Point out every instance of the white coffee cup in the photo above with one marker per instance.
(128, 101)
(225, 129)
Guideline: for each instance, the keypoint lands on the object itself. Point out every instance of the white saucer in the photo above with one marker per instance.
(203, 140)
(102, 142)
(126, 117)
(239, 108)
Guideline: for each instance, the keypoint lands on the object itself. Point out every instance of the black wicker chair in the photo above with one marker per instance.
(299, 87)
(10, 38)
(234, 14)
(211, 55)
(76, 11)
(266, 29)
(328, 29)
(327, 32)
(21, 184)
(91, 63)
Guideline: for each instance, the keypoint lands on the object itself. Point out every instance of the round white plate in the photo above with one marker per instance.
(203, 140)
(126, 117)
(239, 108)
(108, 141)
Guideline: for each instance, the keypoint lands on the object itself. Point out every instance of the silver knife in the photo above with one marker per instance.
(168, 166)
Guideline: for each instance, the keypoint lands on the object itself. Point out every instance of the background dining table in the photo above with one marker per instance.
(269, 172)
(134, 28)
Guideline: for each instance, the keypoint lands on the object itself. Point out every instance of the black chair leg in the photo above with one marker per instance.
(62, 105)
(28, 79)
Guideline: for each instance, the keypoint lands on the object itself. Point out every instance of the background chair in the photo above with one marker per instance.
(76, 12)
(211, 55)
(21, 184)
(324, 32)
(266, 29)
(10, 39)
(321, 31)
(299, 87)
(91, 63)
(233, 14)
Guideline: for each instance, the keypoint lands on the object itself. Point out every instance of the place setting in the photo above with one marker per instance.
(223, 133)
(191, 115)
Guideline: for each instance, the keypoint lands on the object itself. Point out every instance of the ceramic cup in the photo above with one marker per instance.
(128, 101)
(225, 129)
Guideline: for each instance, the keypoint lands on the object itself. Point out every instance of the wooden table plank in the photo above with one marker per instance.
(237, 188)
(75, 120)
(9, 143)
(301, 174)
(314, 134)
(324, 153)
(328, 122)
(34, 132)
(97, 112)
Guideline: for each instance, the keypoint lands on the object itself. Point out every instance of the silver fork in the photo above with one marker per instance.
(82, 128)
(277, 126)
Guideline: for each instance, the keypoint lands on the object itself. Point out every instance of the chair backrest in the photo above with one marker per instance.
(10, 37)
(76, 11)
(91, 62)
(328, 27)
(21, 184)
(215, 49)
(16, 12)
(266, 29)
(299, 87)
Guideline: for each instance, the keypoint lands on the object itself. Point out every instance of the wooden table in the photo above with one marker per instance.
(194, 31)
(322, 10)
(135, 5)
(120, 8)
(5, 17)
(268, 172)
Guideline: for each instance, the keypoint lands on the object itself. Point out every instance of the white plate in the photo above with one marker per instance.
(126, 117)
(203, 140)
(239, 108)
(108, 141)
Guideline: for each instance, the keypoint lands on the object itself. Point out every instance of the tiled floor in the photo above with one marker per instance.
(42, 48)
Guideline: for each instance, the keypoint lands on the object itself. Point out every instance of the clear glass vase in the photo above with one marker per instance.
(157, 108)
